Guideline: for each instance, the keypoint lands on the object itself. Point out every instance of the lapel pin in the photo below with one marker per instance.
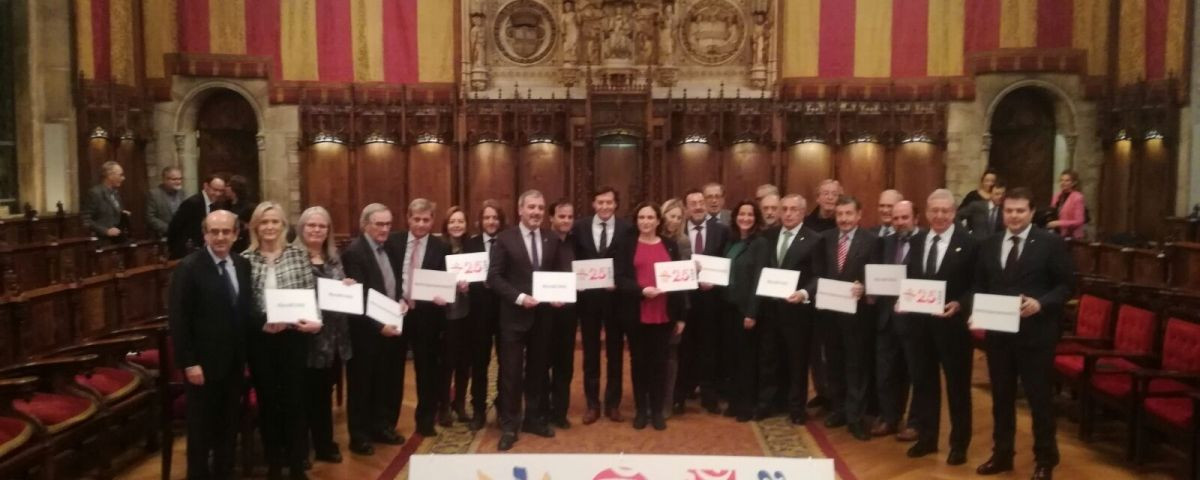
(959, 249)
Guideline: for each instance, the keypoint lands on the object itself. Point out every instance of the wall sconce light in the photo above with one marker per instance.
(326, 137)
(430, 138)
(694, 138)
(99, 132)
(541, 138)
(919, 137)
(1122, 135)
(865, 138)
(1153, 134)
(377, 137)
(810, 139)
(128, 135)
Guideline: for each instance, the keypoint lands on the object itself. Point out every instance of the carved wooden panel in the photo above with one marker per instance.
(619, 166)
(382, 177)
(1148, 267)
(45, 323)
(1114, 263)
(97, 310)
(135, 304)
(227, 139)
(491, 173)
(1022, 150)
(325, 183)
(130, 153)
(9, 338)
(1154, 199)
(430, 172)
(1185, 266)
(747, 165)
(862, 171)
(1084, 253)
(544, 166)
(693, 165)
(919, 170)
(806, 165)
(1114, 204)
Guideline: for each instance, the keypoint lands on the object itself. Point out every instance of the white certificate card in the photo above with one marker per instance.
(291, 305)
(470, 267)
(884, 279)
(922, 296)
(1001, 313)
(334, 296)
(554, 287)
(835, 295)
(430, 284)
(676, 276)
(777, 282)
(384, 310)
(714, 270)
(592, 274)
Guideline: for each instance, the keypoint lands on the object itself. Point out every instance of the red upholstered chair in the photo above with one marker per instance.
(168, 382)
(65, 411)
(1162, 395)
(126, 390)
(1105, 373)
(21, 445)
(1093, 329)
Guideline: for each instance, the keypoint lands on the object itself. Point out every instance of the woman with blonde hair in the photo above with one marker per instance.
(672, 217)
(278, 352)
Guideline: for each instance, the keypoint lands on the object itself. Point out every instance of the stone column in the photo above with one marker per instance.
(1189, 132)
(46, 147)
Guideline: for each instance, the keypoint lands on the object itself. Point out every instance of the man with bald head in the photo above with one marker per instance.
(769, 205)
(210, 304)
(887, 201)
(892, 360)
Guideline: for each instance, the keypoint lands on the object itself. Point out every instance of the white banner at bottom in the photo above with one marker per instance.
(616, 467)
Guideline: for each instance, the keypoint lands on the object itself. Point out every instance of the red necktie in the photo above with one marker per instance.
(698, 244)
(843, 249)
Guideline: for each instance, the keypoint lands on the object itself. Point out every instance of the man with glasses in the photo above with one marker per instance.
(163, 200)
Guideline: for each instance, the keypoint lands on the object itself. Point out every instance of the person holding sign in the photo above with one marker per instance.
(699, 350)
(785, 326)
(561, 353)
(331, 345)
(848, 337)
(593, 236)
(375, 376)
(524, 321)
(944, 252)
(653, 313)
(894, 362)
(425, 322)
(741, 307)
(279, 351)
(484, 319)
(457, 365)
(209, 312)
(1034, 264)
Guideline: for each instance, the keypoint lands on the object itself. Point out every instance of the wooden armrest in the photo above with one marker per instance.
(1150, 374)
(52, 368)
(108, 348)
(147, 329)
(15, 387)
(1093, 354)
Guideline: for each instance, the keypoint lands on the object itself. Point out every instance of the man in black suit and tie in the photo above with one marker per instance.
(786, 326)
(893, 360)
(848, 250)
(944, 252)
(425, 323)
(699, 352)
(984, 218)
(593, 236)
(210, 306)
(185, 225)
(821, 219)
(1033, 263)
(375, 375)
(485, 312)
(563, 327)
(102, 212)
(524, 321)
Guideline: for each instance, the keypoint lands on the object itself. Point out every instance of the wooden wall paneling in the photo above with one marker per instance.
(96, 312)
(619, 164)
(326, 167)
(9, 336)
(382, 177)
(134, 306)
(1114, 262)
(1185, 265)
(429, 176)
(491, 173)
(1084, 253)
(1154, 199)
(693, 165)
(130, 153)
(747, 165)
(45, 321)
(543, 166)
(919, 170)
(1115, 172)
(862, 170)
(1148, 267)
(805, 166)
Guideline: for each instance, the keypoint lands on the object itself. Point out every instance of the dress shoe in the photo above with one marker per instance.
(477, 422)
(307, 465)
(328, 456)
(361, 447)
(591, 416)
(1042, 472)
(835, 420)
(561, 423)
(817, 402)
(921, 449)
(798, 418)
(909, 434)
(744, 417)
(540, 430)
(995, 465)
(388, 437)
(882, 429)
(461, 414)
(958, 456)
(297, 474)
(859, 431)
(427, 431)
(275, 472)
(614, 414)
(678, 408)
(711, 406)
(506, 442)
(444, 418)
(762, 414)
(639, 421)
(658, 422)
(730, 412)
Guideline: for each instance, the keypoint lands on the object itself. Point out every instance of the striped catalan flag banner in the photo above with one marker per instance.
(931, 38)
(395, 41)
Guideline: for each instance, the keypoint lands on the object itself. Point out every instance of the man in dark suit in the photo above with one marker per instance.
(375, 375)
(102, 212)
(425, 323)
(893, 361)
(183, 233)
(822, 219)
(485, 312)
(785, 326)
(163, 200)
(211, 301)
(1033, 263)
(944, 252)
(887, 201)
(524, 321)
(699, 352)
(593, 236)
(847, 251)
(985, 218)
(565, 322)
(714, 203)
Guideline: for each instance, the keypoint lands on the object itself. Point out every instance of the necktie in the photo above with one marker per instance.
(227, 281)
(901, 241)
(412, 267)
(783, 247)
(931, 260)
(698, 244)
(1010, 263)
(385, 269)
(991, 218)
(843, 250)
(533, 249)
(603, 239)
(491, 243)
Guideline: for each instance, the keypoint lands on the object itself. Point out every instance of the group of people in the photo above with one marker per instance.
(717, 344)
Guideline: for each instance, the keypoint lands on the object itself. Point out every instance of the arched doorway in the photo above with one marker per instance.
(227, 130)
(1023, 132)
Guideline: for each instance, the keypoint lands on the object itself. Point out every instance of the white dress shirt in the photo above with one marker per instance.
(230, 271)
(596, 222)
(487, 242)
(525, 237)
(1006, 245)
(943, 245)
(691, 233)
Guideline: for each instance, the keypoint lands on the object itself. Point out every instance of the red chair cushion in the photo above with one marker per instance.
(145, 358)
(978, 335)
(56, 411)
(1121, 386)
(1135, 330)
(1092, 318)
(112, 383)
(1176, 411)
(1181, 346)
(1071, 366)
(13, 434)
